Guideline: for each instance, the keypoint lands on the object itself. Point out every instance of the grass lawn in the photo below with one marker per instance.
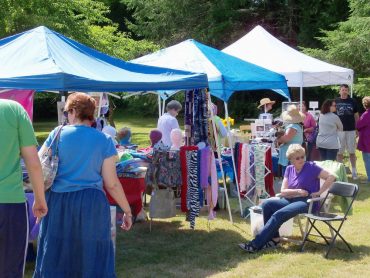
(173, 250)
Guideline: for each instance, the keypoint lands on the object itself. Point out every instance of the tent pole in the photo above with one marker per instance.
(219, 157)
(300, 97)
(351, 89)
(232, 156)
(164, 106)
(159, 106)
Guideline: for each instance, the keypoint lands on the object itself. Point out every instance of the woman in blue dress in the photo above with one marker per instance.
(75, 238)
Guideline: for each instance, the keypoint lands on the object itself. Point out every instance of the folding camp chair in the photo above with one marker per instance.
(342, 189)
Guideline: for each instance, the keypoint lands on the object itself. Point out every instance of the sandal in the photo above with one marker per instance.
(270, 244)
(247, 247)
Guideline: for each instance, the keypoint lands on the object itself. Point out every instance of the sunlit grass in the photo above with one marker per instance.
(173, 250)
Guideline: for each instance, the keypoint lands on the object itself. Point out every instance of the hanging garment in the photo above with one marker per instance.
(200, 117)
(214, 179)
(269, 178)
(189, 98)
(184, 175)
(259, 160)
(200, 190)
(204, 166)
(192, 196)
(245, 178)
(164, 170)
(252, 174)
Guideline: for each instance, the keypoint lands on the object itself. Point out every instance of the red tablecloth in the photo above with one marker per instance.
(133, 189)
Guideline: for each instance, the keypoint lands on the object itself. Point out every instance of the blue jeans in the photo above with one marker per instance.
(366, 158)
(309, 150)
(328, 154)
(275, 213)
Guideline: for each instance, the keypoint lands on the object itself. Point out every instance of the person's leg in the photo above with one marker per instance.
(309, 150)
(269, 207)
(13, 239)
(342, 140)
(323, 154)
(351, 147)
(331, 154)
(366, 158)
(295, 207)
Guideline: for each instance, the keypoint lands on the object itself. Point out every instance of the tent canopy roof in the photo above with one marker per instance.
(42, 59)
(263, 49)
(226, 73)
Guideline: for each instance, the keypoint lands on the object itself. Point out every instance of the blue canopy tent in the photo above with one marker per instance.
(226, 73)
(42, 59)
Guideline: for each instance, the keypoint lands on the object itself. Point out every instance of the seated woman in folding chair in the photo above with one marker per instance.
(301, 182)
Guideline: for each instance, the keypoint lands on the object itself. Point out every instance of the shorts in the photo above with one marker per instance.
(347, 141)
(13, 239)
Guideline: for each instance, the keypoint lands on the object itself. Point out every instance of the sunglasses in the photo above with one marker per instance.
(299, 157)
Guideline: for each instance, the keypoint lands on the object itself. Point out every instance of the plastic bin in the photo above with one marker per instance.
(257, 223)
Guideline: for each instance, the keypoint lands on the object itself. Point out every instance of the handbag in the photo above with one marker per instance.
(50, 161)
(162, 203)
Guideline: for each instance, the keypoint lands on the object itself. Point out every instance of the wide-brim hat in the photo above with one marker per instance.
(265, 101)
(293, 115)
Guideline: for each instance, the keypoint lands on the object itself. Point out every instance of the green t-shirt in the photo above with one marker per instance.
(16, 131)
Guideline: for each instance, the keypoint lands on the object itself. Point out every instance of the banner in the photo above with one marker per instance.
(24, 97)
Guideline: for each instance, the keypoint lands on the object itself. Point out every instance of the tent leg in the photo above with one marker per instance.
(300, 97)
(159, 106)
(164, 106)
(219, 159)
(232, 157)
(351, 85)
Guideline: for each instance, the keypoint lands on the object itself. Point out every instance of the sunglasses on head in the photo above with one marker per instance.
(299, 157)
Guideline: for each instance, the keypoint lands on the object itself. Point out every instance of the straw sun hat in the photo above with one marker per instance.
(292, 115)
(265, 101)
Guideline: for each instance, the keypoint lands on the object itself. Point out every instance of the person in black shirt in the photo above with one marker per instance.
(348, 113)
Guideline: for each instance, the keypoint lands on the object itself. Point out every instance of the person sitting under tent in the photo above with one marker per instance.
(167, 122)
(301, 182)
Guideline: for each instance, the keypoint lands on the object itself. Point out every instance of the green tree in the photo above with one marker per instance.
(348, 45)
(83, 20)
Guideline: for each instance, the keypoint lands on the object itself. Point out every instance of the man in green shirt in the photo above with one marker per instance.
(17, 139)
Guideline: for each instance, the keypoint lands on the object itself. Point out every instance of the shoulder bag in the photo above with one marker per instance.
(50, 161)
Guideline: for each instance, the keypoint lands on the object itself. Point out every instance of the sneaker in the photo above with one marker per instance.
(248, 247)
(354, 175)
(271, 244)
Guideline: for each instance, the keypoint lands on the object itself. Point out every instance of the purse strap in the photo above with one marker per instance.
(55, 139)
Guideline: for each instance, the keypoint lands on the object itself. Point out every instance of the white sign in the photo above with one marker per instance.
(314, 104)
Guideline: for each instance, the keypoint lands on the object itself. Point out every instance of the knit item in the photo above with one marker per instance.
(204, 167)
(192, 196)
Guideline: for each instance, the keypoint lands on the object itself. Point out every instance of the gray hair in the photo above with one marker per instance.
(174, 104)
(293, 150)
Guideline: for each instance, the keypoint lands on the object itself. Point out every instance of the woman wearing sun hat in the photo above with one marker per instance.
(266, 105)
(292, 119)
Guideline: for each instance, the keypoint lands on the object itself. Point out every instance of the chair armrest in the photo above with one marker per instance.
(311, 200)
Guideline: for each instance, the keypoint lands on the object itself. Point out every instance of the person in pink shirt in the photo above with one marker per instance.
(363, 127)
(309, 125)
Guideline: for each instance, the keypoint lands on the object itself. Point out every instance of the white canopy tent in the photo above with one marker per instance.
(261, 48)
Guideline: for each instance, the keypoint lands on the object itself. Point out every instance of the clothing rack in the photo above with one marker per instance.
(260, 190)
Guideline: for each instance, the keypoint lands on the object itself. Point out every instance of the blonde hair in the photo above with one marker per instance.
(366, 102)
(293, 150)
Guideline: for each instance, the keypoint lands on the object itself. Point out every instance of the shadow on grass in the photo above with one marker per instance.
(172, 249)
(338, 252)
